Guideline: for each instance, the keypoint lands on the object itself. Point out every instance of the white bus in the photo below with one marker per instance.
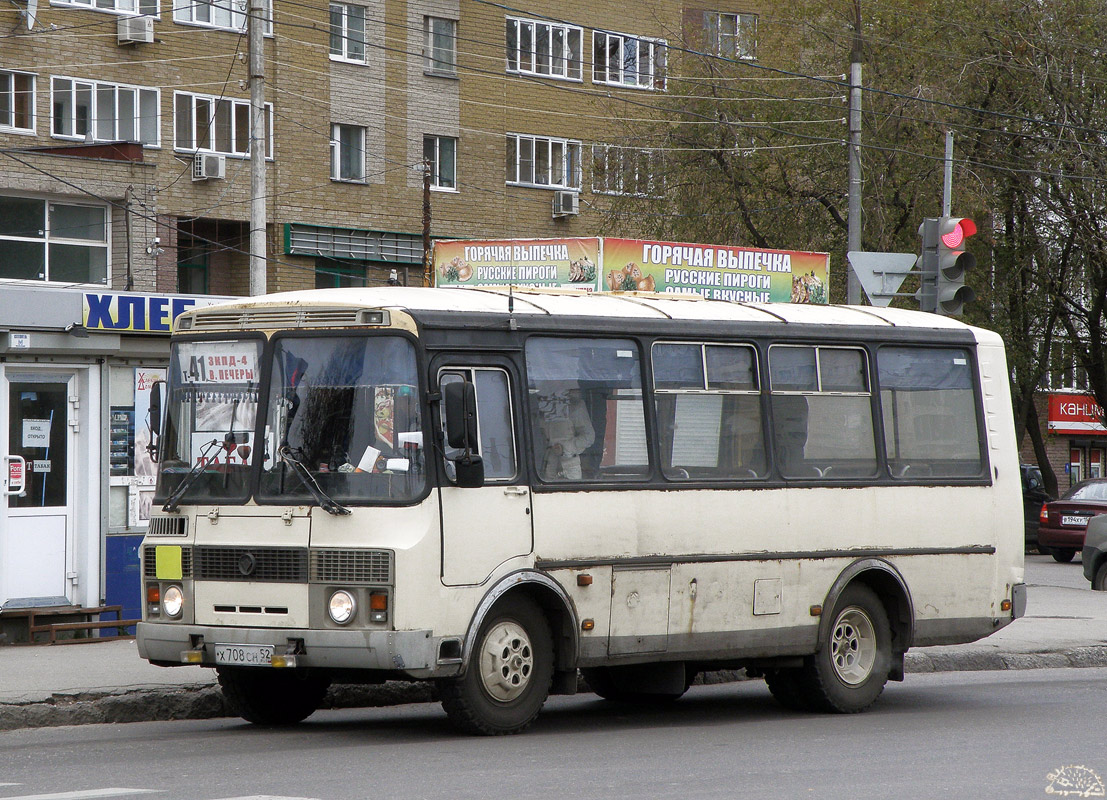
(500, 489)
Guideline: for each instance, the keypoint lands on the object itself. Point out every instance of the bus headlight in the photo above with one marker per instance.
(342, 607)
(172, 602)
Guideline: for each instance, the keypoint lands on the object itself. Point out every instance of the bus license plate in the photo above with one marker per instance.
(1069, 519)
(244, 655)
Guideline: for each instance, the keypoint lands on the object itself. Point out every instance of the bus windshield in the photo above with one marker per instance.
(210, 417)
(343, 413)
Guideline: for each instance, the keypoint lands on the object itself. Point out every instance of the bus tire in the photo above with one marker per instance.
(850, 669)
(1062, 555)
(1099, 582)
(509, 673)
(786, 687)
(269, 696)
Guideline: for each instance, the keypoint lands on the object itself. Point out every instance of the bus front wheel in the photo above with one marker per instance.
(850, 669)
(509, 672)
(271, 696)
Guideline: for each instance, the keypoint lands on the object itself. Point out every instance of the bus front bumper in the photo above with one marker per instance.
(408, 652)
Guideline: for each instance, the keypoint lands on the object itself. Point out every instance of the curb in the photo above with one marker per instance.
(206, 701)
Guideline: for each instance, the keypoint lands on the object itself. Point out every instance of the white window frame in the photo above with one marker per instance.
(8, 92)
(336, 152)
(436, 182)
(348, 40)
(98, 96)
(561, 158)
(148, 8)
(48, 238)
(648, 56)
(610, 168)
(525, 59)
(742, 44)
(194, 101)
(226, 15)
(436, 60)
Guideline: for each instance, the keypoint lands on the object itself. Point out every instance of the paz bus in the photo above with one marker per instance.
(502, 489)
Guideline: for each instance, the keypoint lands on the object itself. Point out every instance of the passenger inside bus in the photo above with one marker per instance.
(564, 421)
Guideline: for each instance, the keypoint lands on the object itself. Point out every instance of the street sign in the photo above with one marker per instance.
(881, 274)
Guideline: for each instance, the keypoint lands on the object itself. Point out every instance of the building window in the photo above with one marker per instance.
(149, 7)
(17, 101)
(104, 112)
(58, 242)
(332, 274)
(192, 267)
(544, 48)
(544, 162)
(440, 46)
(622, 60)
(226, 14)
(441, 153)
(347, 32)
(217, 124)
(731, 35)
(347, 153)
(626, 170)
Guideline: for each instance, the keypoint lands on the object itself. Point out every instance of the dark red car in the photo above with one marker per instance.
(1062, 523)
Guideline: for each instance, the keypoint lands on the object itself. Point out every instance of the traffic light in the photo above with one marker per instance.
(953, 262)
(943, 263)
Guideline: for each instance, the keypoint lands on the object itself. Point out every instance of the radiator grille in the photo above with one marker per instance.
(150, 566)
(167, 526)
(351, 566)
(283, 564)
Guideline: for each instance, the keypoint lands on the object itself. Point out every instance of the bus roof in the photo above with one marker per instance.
(529, 301)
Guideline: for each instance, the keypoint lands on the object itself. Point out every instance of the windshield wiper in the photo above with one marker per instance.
(325, 502)
(174, 499)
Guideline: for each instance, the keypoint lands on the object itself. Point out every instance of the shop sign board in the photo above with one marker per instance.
(1077, 414)
(137, 313)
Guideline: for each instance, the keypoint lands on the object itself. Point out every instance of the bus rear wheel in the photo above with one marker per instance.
(850, 669)
(270, 696)
(509, 672)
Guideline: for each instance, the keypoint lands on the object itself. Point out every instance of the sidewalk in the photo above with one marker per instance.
(45, 686)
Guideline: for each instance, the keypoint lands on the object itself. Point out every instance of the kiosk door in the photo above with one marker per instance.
(36, 534)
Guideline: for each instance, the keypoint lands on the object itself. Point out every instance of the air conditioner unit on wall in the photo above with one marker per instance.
(207, 166)
(135, 30)
(566, 204)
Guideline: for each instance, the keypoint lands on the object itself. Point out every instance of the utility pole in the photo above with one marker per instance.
(427, 224)
(256, 46)
(853, 221)
(947, 181)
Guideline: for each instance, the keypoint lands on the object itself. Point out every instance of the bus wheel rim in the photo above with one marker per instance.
(506, 661)
(853, 646)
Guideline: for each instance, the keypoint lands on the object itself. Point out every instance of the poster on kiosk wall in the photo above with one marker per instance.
(717, 272)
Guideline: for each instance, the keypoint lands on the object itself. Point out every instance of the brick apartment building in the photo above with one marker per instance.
(125, 197)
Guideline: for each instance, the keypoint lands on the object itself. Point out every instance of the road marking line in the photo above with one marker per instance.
(83, 794)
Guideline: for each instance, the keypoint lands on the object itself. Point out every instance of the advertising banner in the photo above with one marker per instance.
(565, 263)
(717, 272)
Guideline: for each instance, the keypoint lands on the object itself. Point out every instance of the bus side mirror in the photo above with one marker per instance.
(461, 414)
(155, 419)
(460, 401)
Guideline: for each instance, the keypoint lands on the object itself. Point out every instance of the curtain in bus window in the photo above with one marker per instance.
(929, 409)
(586, 410)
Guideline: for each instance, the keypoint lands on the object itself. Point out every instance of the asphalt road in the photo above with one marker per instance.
(963, 735)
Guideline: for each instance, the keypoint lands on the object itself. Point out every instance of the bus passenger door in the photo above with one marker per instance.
(484, 527)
